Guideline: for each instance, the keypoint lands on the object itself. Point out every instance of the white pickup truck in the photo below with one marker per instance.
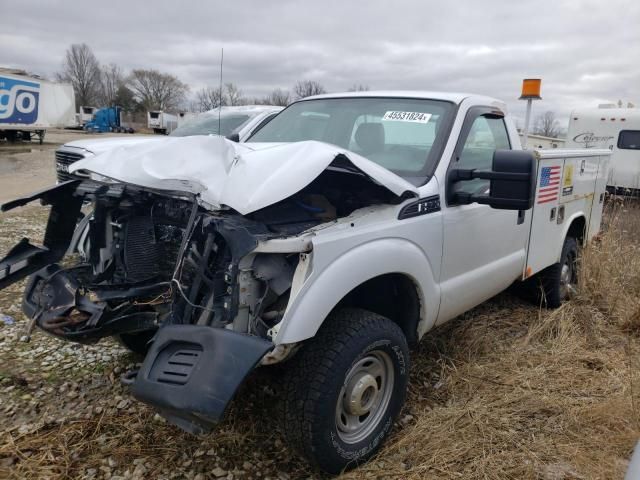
(338, 235)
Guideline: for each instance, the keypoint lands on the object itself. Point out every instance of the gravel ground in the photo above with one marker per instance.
(53, 388)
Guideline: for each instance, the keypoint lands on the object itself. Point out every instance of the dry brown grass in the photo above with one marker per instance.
(531, 393)
(506, 391)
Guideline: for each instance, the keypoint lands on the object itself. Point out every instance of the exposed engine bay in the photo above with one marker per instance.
(139, 259)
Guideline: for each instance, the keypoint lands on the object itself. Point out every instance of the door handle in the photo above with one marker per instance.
(521, 214)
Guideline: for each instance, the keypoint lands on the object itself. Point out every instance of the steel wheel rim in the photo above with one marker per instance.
(364, 397)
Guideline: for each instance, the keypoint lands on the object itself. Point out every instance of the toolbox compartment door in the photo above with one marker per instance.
(569, 184)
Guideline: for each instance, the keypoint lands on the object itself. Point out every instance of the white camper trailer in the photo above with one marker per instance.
(617, 129)
(161, 122)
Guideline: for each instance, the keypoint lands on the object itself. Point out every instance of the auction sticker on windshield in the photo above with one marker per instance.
(417, 117)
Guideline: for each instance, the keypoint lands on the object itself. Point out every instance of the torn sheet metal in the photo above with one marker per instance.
(245, 177)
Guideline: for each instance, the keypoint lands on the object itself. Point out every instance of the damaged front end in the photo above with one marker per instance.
(205, 288)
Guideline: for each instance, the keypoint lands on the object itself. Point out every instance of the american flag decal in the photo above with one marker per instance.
(549, 184)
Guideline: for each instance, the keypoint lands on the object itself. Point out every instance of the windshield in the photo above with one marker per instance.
(397, 133)
(207, 124)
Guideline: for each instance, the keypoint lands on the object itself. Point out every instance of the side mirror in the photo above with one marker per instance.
(512, 181)
(234, 137)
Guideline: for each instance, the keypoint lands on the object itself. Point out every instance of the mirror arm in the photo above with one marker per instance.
(463, 198)
(458, 175)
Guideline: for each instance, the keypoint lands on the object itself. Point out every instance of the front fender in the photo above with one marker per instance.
(323, 289)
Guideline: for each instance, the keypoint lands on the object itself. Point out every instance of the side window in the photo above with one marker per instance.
(629, 140)
(264, 122)
(487, 134)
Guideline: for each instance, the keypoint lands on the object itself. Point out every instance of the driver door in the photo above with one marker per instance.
(484, 248)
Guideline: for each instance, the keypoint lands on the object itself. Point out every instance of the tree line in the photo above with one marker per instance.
(148, 89)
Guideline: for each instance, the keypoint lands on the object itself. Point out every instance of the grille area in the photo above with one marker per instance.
(63, 160)
(141, 251)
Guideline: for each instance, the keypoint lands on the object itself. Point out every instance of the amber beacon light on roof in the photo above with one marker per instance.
(530, 91)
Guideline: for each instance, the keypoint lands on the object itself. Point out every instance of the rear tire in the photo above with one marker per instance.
(559, 281)
(344, 389)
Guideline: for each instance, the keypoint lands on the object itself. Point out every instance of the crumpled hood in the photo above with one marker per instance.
(245, 177)
(100, 145)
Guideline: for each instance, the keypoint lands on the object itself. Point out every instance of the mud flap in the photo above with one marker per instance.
(24, 258)
(192, 372)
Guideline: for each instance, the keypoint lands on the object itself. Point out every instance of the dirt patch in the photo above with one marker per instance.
(28, 167)
(508, 390)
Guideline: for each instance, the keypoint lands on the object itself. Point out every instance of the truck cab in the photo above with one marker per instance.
(337, 236)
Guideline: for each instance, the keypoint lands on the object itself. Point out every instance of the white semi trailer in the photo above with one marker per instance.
(161, 122)
(85, 115)
(30, 105)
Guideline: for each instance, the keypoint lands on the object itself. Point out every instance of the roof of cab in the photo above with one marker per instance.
(446, 96)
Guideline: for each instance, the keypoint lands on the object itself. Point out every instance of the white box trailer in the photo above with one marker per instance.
(161, 122)
(85, 114)
(30, 105)
(616, 129)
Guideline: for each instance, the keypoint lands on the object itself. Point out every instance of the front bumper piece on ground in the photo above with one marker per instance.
(192, 372)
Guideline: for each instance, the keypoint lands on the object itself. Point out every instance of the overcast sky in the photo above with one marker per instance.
(586, 52)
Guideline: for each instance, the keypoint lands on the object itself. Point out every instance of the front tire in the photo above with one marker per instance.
(344, 389)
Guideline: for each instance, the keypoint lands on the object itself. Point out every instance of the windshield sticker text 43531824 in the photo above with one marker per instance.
(417, 117)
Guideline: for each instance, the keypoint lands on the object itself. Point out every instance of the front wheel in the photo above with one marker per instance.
(344, 389)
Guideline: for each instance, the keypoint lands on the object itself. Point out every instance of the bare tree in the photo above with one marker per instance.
(233, 94)
(157, 91)
(279, 97)
(209, 98)
(547, 125)
(82, 70)
(126, 99)
(358, 87)
(111, 79)
(307, 88)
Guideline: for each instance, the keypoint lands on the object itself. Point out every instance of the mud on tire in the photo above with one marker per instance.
(344, 389)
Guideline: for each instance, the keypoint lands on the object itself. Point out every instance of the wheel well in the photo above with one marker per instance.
(394, 296)
(577, 229)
